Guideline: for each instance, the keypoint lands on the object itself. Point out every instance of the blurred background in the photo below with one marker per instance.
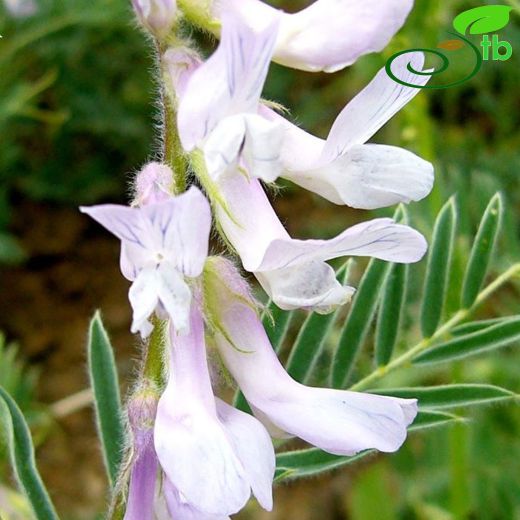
(77, 120)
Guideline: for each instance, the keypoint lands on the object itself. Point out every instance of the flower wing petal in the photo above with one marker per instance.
(144, 296)
(379, 238)
(369, 177)
(374, 106)
(254, 449)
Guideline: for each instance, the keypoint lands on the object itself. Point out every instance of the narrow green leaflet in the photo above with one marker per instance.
(481, 251)
(358, 321)
(438, 268)
(104, 382)
(450, 396)
(432, 419)
(312, 337)
(21, 452)
(490, 338)
(474, 326)
(390, 312)
(312, 461)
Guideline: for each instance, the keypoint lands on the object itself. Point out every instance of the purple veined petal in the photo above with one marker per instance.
(311, 285)
(180, 509)
(144, 296)
(229, 82)
(223, 146)
(254, 449)
(329, 34)
(247, 138)
(369, 176)
(378, 238)
(374, 106)
(338, 421)
(192, 446)
(141, 492)
(123, 222)
(181, 227)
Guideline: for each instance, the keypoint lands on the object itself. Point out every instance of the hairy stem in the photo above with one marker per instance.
(455, 320)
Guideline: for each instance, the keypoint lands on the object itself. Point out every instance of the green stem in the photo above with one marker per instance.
(455, 320)
(153, 366)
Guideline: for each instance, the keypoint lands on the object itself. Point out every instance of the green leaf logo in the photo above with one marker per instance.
(482, 20)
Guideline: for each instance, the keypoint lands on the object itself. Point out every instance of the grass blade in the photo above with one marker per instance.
(490, 338)
(107, 401)
(481, 251)
(438, 268)
(21, 452)
(312, 336)
(451, 396)
(358, 321)
(312, 461)
(390, 313)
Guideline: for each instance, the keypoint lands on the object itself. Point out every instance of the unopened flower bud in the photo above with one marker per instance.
(154, 183)
(158, 16)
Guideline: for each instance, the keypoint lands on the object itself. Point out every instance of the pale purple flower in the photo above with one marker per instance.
(158, 16)
(163, 245)
(212, 454)
(218, 110)
(294, 272)
(342, 168)
(338, 421)
(329, 34)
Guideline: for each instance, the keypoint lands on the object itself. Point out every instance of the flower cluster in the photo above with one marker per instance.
(195, 456)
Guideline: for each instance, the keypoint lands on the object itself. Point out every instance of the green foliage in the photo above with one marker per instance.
(21, 450)
(438, 268)
(17, 379)
(444, 338)
(496, 336)
(105, 384)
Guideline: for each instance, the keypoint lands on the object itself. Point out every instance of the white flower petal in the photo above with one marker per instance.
(374, 106)
(191, 444)
(369, 177)
(340, 422)
(143, 296)
(311, 285)
(262, 146)
(329, 34)
(175, 295)
(223, 146)
(229, 82)
(379, 238)
(254, 449)
(180, 509)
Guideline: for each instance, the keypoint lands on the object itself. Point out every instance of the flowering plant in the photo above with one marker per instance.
(180, 449)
